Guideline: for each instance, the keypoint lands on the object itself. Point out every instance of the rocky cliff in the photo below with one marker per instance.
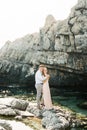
(60, 45)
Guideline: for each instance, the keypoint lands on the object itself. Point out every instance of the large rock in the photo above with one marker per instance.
(60, 45)
(5, 125)
(7, 112)
(52, 122)
(1, 128)
(4, 102)
(19, 104)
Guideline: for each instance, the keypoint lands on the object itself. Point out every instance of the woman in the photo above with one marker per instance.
(46, 91)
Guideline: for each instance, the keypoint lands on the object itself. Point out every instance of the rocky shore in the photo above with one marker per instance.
(57, 118)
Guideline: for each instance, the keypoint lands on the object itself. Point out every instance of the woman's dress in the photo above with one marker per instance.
(47, 95)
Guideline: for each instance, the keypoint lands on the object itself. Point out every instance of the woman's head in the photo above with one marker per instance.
(41, 67)
(45, 70)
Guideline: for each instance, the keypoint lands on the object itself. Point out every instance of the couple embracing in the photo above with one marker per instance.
(42, 87)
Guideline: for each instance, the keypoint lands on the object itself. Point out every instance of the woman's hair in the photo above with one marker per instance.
(43, 71)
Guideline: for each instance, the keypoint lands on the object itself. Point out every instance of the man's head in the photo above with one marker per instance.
(41, 67)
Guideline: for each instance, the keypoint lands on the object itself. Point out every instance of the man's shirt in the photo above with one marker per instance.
(39, 78)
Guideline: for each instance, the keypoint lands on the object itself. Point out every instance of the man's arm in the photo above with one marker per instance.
(41, 77)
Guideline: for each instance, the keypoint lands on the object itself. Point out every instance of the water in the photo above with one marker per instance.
(72, 99)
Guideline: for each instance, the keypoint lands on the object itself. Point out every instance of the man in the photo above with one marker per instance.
(39, 79)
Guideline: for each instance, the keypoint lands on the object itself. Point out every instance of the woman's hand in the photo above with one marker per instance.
(48, 76)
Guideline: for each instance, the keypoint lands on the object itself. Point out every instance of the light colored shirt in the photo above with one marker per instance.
(39, 78)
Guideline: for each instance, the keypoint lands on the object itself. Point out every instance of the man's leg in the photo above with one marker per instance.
(39, 94)
(42, 99)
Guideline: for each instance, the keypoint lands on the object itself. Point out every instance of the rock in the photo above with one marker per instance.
(7, 112)
(49, 21)
(24, 113)
(18, 118)
(19, 104)
(52, 122)
(1, 128)
(3, 106)
(13, 106)
(82, 4)
(60, 45)
(5, 125)
(34, 110)
(14, 125)
(6, 101)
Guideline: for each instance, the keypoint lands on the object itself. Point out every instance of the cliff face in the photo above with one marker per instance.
(60, 45)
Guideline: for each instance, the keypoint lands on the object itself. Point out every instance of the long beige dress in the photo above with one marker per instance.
(47, 95)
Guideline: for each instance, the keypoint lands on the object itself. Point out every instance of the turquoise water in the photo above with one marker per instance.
(72, 99)
(72, 103)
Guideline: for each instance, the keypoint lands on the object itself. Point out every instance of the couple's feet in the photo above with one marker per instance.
(40, 106)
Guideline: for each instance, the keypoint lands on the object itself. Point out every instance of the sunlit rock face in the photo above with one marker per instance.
(60, 45)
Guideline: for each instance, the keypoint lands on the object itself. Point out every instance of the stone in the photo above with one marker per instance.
(19, 104)
(6, 101)
(1, 128)
(24, 113)
(18, 118)
(3, 106)
(82, 4)
(34, 110)
(5, 125)
(49, 20)
(7, 112)
(52, 122)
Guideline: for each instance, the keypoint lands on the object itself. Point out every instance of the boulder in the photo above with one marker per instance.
(5, 125)
(7, 112)
(52, 122)
(34, 111)
(23, 113)
(19, 104)
(6, 102)
(1, 128)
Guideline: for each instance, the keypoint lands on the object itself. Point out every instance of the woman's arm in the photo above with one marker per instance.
(46, 77)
